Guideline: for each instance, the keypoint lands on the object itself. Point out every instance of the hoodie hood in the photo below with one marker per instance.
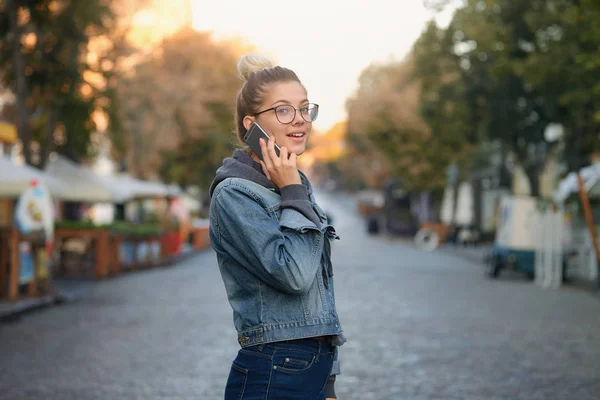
(241, 165)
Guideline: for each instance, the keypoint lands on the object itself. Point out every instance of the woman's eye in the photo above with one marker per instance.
(283, 110)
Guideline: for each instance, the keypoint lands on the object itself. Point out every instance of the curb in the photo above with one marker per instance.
(12, 311)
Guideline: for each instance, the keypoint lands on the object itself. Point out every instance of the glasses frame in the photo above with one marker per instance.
(295, 111)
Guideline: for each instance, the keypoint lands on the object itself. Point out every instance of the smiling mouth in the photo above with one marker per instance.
(297, 135)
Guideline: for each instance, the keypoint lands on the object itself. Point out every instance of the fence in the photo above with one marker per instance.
(563, 245)
(549, 238)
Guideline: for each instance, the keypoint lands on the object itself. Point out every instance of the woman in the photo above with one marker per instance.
(273, 247)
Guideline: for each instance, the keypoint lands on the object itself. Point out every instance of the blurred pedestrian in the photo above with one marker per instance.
(273, 245)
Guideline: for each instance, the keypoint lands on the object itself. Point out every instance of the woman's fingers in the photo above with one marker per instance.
(265, 170)
(265, 153)
(271, 146)
(281, 170)
(292, 160)
(283, 153)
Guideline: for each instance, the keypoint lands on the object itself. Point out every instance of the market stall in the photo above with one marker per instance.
(150, 232)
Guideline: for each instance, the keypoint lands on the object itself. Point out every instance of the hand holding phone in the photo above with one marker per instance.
(280, 168)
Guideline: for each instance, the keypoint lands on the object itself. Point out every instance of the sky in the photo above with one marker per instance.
(326, 42)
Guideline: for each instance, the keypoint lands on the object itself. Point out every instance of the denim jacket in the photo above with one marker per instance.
(275, 264)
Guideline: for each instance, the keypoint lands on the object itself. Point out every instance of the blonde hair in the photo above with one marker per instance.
(253, 63)
(258, 73)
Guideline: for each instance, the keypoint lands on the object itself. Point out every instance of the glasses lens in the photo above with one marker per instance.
(310, 112)
(285, 114)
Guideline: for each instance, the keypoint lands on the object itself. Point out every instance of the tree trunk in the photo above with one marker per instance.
(533, 174)
(47, 144)
(20, 80)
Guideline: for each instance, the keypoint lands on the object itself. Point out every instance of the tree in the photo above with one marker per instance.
(565, 69)
(523, 65)
(176, 109)
(449, 106)
(384, 117)
(45, 61)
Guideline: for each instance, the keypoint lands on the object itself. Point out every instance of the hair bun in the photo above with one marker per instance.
(252, 63)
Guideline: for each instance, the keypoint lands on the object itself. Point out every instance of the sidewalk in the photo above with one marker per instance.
(63, 291)
(11, 309)
(69, 290)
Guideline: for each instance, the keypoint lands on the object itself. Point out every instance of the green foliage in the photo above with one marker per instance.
(513, 67)
(57, 100)
(118, 227)
(414, 115)
(79, 225)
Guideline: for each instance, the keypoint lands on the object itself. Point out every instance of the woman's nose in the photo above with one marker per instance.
(298, 118)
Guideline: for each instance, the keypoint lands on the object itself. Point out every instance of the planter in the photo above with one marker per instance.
(200, 238)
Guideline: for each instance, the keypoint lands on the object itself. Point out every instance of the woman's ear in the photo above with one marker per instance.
(248, 120)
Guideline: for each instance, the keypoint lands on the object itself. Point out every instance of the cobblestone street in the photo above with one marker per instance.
(419, 326)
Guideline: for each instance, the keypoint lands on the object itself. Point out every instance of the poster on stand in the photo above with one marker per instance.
(35, 211)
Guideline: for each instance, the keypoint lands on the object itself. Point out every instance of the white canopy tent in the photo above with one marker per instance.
(569, 185)
(465, 209)
(447, 208)
(15, 178)
(85, 185)
(174, 190)
(135, 188)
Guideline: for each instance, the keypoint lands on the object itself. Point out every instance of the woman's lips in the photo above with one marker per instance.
(297, 137)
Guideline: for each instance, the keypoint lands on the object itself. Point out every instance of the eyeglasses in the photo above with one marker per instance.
(286, 113)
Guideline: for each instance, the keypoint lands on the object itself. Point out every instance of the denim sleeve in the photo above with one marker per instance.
(284, 254)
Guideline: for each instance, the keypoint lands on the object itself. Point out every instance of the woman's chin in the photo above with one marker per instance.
(297, 149)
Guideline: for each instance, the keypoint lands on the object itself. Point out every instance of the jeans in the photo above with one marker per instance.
(294, 369)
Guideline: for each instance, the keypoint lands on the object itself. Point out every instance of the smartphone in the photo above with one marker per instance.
(255, 132)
